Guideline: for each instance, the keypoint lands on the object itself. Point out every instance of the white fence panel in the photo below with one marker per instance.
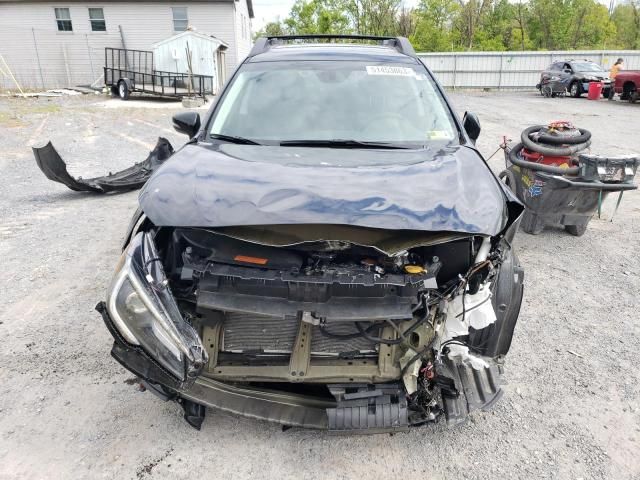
(512, 70)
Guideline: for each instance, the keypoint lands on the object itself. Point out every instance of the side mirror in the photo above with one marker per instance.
(187, 122)
(471, 125)
(567, 70)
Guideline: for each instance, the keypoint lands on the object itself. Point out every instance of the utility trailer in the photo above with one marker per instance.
(127, 71)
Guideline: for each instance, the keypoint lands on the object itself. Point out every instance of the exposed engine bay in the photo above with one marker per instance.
(383, 341)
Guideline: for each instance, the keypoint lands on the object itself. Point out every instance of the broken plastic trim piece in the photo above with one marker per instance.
(193, 413)
(478, 388)
(132, 178)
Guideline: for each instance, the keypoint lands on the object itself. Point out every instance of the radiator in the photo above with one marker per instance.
(249, 332)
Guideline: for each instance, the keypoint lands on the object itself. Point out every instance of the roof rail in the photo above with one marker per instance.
(401, 44)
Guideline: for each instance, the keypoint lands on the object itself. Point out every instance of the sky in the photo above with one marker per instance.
(266, 11)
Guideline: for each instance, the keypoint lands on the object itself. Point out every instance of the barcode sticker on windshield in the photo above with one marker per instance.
(438, 135)
(388, 70)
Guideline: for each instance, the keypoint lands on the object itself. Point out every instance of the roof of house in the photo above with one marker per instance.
(249, 2)
(192, 33)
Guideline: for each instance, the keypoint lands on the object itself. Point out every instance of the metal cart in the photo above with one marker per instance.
(567, 200)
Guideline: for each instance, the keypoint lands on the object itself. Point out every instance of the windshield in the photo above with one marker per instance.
(326, 101)
(587, 67)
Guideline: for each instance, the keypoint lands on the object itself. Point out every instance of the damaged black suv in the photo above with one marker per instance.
(328, 250)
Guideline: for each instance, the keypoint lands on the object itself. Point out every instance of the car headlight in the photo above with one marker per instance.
(145, 312)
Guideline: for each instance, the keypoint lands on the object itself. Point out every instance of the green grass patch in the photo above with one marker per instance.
(48, 108)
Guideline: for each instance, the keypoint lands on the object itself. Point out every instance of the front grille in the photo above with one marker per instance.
(244, 332)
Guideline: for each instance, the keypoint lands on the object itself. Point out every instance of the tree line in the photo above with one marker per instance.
(481, 25)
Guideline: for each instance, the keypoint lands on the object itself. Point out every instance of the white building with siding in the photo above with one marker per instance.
(60, 44)
(207, 57)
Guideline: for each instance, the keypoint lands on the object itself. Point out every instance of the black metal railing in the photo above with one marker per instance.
(137, 66)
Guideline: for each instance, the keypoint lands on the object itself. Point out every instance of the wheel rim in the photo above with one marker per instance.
(574, 89)
(122, 89)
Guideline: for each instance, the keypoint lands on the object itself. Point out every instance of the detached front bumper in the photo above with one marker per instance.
(54, 168)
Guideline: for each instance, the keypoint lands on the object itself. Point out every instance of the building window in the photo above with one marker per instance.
(96, 18)
(63, 19)
(180, 19)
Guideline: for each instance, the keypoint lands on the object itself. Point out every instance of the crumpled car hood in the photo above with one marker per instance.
(451, 189)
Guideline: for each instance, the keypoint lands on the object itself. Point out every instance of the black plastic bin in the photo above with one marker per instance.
(570, 201)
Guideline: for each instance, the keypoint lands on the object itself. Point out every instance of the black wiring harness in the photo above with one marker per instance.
(475, 276)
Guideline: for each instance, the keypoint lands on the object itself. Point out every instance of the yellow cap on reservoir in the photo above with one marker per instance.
(413, 269)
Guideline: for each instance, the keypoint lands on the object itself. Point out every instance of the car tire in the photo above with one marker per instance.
(123, 90)
(575, 90)
(576, 230)
(634, 96)
(532, 223)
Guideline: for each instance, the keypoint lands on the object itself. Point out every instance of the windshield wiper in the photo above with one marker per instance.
(341, 144)
(232, 139)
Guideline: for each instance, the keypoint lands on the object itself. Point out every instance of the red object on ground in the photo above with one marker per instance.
(595, 90)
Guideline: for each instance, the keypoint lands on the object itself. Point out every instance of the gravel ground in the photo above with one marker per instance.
(67, 410)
